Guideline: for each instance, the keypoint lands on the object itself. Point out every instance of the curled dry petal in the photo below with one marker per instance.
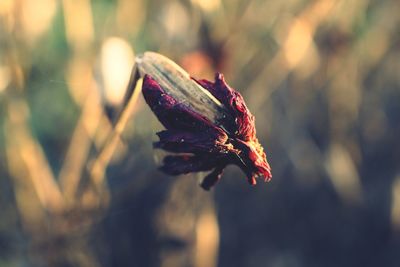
(208, 129)
(171, 113)
(253, 160)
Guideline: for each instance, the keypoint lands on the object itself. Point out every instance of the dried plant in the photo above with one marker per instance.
(208, 124)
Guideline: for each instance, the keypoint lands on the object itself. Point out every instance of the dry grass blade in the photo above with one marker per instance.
(28, 164)
(97, 168)
(300, 37)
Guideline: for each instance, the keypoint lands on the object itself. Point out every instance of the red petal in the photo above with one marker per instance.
(233, 101)
(252, 158)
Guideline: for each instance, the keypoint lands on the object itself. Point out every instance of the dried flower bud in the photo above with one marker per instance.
(207, 123)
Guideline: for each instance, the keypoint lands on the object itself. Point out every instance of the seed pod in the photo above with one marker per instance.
(178, 84)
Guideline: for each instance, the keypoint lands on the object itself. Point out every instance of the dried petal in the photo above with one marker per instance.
(171, 113)
(234, 102)
(253, 160)
(182, 164)
(189, 142)
(212, 178)
(252, 157)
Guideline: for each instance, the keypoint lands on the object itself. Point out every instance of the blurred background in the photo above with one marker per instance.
(322, 78)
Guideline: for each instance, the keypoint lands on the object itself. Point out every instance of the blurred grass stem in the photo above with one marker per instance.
(97, 168)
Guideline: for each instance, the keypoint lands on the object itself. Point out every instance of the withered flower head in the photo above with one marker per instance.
(208, 125)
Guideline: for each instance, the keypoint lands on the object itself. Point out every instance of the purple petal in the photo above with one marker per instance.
(171, 113)
(210, 141)
(211, 179)
(182, 164)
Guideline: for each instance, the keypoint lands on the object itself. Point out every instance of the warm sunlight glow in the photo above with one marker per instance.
(37, 16)
(343, 174)
(298, 41)
(116, 65)
(208, 5)
(78, 22)
(207, 239)
(5, 77)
